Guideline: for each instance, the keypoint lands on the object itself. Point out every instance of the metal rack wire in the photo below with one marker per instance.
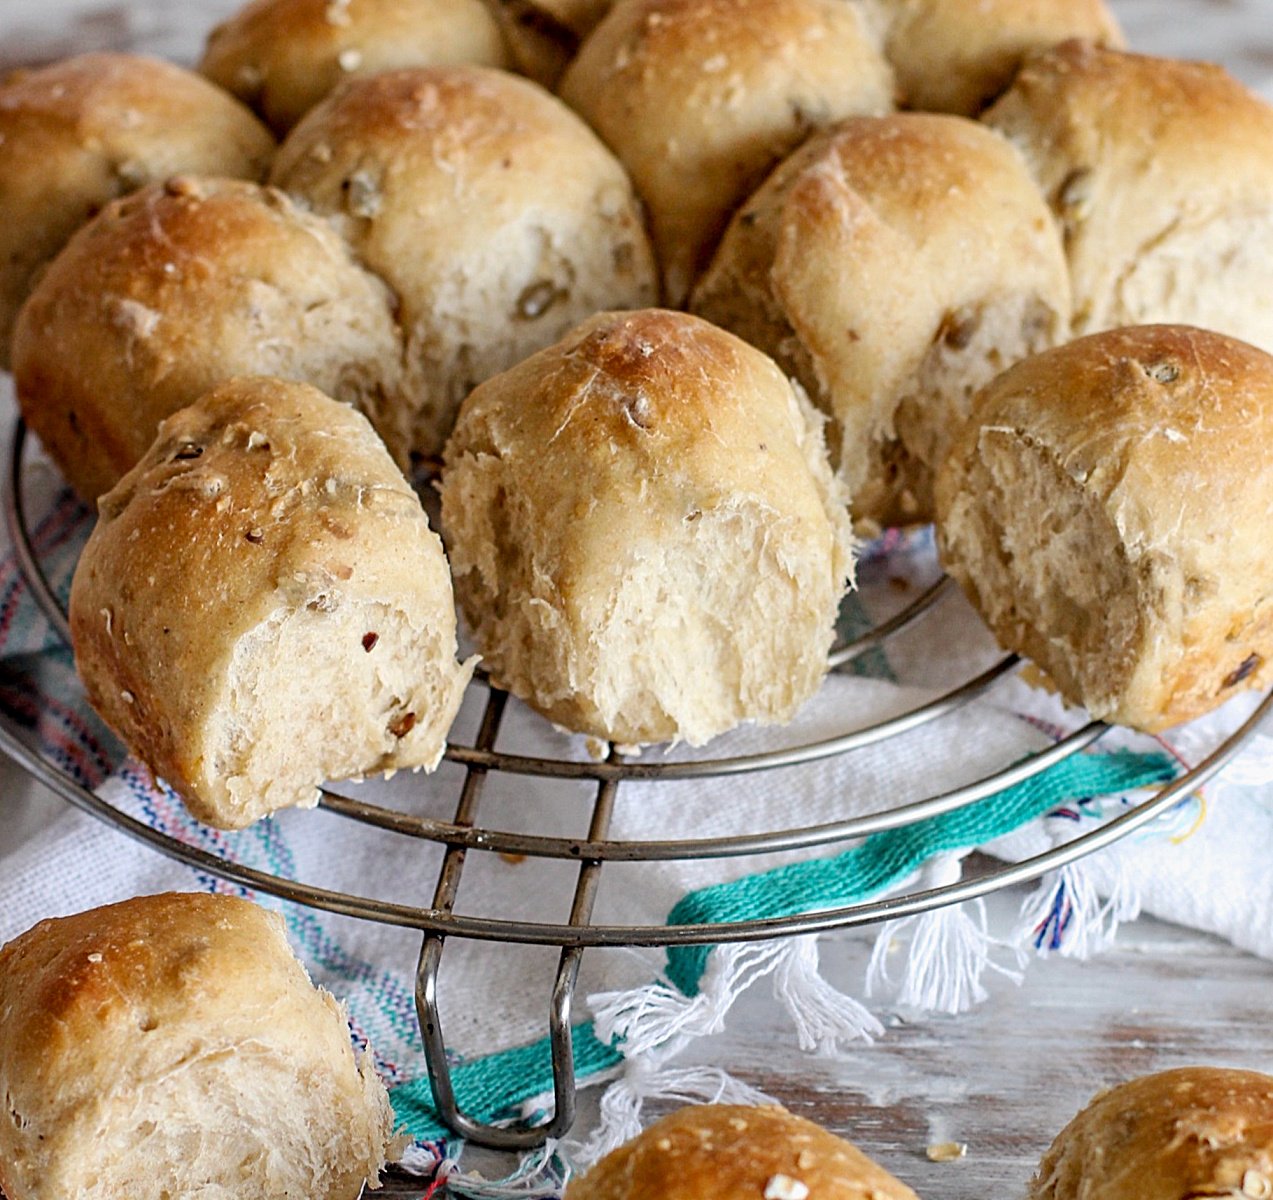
(465, 833)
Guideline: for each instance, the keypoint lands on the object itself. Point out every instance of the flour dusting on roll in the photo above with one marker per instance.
(172, 1046)
(263, 607)
(647, 540)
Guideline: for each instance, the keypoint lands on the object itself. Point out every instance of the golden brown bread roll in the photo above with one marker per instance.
(173, 1046)
(263, 607)
(78, 134)
(1160, 175)
(647, 540)
(177, 289)
(953, 56)
(1195, 1132)
(700, 98)
(493, 212)
(729, 1152)
(893, 265)
(283, 56)
(1107, 511)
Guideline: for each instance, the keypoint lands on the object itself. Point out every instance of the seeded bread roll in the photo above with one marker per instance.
(263, 607)
(76, 135)
(953, 56)
(647, 541)
(1106, 509)
(283, 56)
(1195, 1132)
(179, 288)
(701, 98)
(173, 1046)
(1160, 175)
(728, 1152)
(493, 212)
(893, 265)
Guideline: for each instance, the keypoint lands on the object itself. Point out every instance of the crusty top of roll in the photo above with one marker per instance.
(79, 133)
(731, 1152)
(953, 56)
(700, 98)
(1142, 158)
(1194, 1132)
(284, 56)
(174, 289)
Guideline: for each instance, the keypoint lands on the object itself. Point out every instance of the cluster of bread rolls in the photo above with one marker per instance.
(647, 516)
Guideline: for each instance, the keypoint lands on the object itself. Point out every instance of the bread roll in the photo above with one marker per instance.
(647, 541)
(78, 134)
(172, 1046)
(728, 1152)
(180, 287)
(700, 98)
(493, 212)
(283, 56)
(1107, 511)
(1199, 1131)
(544, 35)
(1160, 175)
(893, 265)
(262, 606)
(953, 56)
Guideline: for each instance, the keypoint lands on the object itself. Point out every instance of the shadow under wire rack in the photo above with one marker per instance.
(465, 832)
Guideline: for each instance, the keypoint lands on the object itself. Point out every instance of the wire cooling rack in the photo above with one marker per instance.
(465, 833)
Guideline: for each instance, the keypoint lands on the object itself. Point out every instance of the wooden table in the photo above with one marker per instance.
(1002, 1079)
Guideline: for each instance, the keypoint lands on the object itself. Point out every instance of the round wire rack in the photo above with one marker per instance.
(465, 833)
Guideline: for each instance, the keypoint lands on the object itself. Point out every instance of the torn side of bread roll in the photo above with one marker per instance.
(701, 98)
(1106, 510)
(1193, 1132)
(956, 57)
(893, 265)
(263, 607)
(648, 542)
(1160, 176)
(78, 134)
(495, 214)
(732, 1152)
(283, 56)
(172, 1045)
(176, 289)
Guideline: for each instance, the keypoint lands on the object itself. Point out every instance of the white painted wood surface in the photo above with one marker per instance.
(1006, 1077)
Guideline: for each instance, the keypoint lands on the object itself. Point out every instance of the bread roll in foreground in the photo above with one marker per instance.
(283, 56)
(730, 1152)
(80, 133)
(172, 1046)
(263, 607)
(1160, 176)
(701, 98)
(893, 265)
(494, 213)
(179, 288)
(953, 56)
(648, 543)
(1106, 510)
(1195, 1132)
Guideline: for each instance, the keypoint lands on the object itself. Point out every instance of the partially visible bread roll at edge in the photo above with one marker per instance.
(1106, 510)
(283, 56)
(1193, 1132)
(173, 291)
(647, 539)
(78, 134)
(701, 98)
(172, 1046)
(893, 265)
(1160, 177)
(731, 1152)
(263, 607)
